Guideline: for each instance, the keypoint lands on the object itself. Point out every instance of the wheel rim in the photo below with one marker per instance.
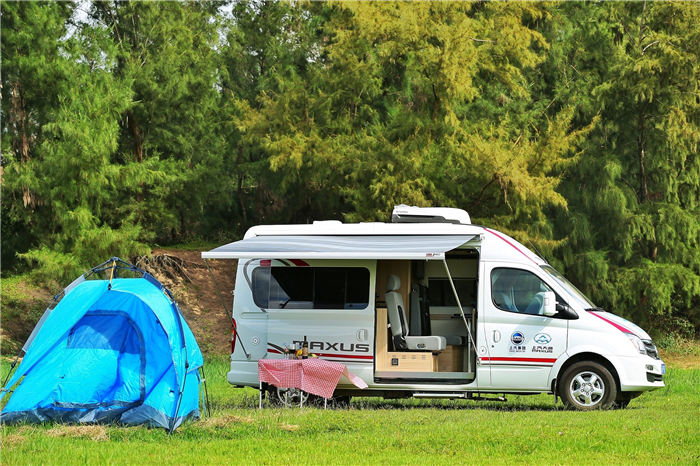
(587, 388)
(290, 396)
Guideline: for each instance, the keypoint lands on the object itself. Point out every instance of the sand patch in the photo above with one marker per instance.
(225, 421)
(94, 433)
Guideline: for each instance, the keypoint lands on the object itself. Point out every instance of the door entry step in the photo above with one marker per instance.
(440, 395)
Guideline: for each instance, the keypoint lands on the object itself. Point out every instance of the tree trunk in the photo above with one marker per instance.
(18, 119)
(240, 186)
(138, 148)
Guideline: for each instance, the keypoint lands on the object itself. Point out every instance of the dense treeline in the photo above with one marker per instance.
(571, 125)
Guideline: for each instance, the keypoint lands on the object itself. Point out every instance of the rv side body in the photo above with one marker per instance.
(497, 337)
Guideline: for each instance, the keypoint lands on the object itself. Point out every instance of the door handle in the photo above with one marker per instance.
(362, 334)
(496, 336)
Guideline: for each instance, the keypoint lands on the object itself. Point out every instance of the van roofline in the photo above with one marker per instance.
(375, 228)
(493, 245)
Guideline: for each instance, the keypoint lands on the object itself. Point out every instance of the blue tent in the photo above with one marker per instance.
(111, 350)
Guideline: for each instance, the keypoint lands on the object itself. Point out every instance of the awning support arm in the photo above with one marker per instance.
(459, 304)
(228, 314)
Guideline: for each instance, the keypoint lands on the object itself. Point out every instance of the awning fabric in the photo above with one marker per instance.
(340, 247)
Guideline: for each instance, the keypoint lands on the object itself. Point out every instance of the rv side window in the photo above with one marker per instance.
(440, 292)
(311, 287)
(516, 290)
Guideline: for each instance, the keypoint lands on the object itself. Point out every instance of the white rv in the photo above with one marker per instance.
(430, 306)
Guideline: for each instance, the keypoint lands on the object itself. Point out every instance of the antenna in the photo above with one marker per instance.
(538, 252)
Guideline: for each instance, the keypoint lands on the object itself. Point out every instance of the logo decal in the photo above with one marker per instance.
(542, 338)
(517, 338)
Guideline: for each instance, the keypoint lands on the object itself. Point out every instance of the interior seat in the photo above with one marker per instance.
(399, 329)
(502, 301)
(536, 307)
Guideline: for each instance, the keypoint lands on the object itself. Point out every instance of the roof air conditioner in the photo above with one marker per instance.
(406, 214)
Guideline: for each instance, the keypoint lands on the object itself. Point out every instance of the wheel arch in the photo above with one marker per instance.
(585, 356)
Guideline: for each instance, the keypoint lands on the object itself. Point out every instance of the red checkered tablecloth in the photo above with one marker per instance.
(316, 376)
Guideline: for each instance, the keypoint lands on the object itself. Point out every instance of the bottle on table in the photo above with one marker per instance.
(305, 349)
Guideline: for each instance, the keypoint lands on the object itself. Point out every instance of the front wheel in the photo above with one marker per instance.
(587, 386)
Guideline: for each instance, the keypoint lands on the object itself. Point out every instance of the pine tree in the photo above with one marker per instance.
(633, 227)
(170, 136)
(33, 74)
(72, 174)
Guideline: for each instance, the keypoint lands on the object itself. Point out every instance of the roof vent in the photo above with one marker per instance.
(405, 214)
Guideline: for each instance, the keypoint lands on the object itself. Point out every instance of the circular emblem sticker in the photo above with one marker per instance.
(255, 341)
(517, 338)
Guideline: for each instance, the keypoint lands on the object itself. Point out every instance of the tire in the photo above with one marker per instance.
(287, 397)
(587, 386)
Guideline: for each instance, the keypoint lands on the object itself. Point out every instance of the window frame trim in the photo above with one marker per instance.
(532, 272)
(312, 267)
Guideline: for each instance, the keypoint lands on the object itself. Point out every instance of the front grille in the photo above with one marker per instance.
(651, 349)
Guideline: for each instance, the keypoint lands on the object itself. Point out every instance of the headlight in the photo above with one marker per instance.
(637, 343)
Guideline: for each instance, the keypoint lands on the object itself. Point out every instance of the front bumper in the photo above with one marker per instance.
(639, 374)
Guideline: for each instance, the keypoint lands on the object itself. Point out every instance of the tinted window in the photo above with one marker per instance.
(311, 287)
(517, 291)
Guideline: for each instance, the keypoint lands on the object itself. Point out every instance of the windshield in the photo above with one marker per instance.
(574, 292)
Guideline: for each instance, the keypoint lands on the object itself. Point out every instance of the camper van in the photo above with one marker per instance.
(430, 306)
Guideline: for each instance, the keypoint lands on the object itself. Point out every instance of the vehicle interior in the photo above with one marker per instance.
(421, 335)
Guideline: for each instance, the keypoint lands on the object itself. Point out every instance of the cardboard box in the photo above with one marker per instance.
(451, 360)
(411, 362)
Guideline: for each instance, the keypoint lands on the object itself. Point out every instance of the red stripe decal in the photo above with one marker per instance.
(331, 355)
(298, 262)
(617, 326)
(511, 244)
(345, 356)
(543, 360)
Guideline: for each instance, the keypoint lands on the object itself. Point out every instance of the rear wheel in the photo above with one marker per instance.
(587, 386)
(289, 397)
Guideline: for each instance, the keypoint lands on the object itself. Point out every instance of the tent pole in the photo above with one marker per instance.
(9, 373)
(114, 266)
(179, 397)
(206, 391)
(228, 314)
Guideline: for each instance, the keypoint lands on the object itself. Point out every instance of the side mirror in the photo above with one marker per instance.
(565, 312)
(550, 304)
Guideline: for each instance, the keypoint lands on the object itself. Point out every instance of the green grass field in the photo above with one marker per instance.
(661, 427)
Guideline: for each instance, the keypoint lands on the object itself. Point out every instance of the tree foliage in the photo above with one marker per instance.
(573, 125)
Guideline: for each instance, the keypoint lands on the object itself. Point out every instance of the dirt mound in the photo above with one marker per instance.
(185, 274)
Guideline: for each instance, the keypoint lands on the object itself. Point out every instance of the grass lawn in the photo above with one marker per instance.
(660, 427)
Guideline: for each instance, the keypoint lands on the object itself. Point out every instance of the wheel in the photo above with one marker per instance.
(587, 386)
(288, 397)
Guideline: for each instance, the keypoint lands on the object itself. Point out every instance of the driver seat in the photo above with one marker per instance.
(399, 329)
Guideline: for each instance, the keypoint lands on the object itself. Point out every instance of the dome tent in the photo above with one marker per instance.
(110, 350)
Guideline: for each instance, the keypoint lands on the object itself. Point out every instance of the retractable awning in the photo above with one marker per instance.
(340, 247)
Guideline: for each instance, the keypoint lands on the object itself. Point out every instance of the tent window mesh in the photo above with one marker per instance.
(112, 333)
